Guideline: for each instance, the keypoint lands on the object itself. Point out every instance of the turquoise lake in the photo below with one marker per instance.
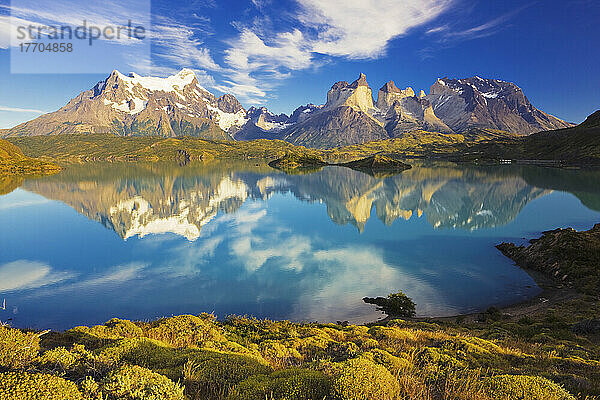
(142, 241)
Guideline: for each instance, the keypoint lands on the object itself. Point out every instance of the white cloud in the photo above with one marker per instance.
(449, 33)
(259, 58)
(115, 276)
(360, 29)
(176, 43)
(109, 279)
(101, 15)
(333, 280)
(26, 274)
(363, 28)
(17, 109)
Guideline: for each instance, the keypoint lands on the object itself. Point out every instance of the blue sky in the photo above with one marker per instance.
(284, 53)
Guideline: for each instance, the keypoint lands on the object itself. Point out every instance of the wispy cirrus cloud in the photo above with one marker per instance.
(23, 110)
(178, 44)
(260, 56)
(449, 33)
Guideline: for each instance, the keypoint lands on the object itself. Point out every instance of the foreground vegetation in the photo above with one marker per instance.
(548, 354)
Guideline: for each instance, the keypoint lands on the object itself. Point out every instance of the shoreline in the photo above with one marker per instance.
(552, 293)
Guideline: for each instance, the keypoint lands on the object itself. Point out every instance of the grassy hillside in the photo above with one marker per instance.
(87, 148)
(13, 161)
(549, 353)
(416, 144)
(576, 145)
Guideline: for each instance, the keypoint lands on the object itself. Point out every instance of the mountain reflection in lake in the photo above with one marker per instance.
(148, 240)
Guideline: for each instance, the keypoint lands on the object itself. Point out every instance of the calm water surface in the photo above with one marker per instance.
(145, 241)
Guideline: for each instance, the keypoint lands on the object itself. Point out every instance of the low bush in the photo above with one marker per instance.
(186, 330)
(57, 359)
(137, 383)
(216, 373)
(26, 386)
(362, 379)
(515, 387)
(17, 349)
(294, 383)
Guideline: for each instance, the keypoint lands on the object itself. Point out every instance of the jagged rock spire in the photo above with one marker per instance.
(361, 81)
(390, 87)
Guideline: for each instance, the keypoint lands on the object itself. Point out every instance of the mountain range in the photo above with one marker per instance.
(132, 105)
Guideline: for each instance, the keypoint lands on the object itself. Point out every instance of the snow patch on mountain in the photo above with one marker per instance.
(226, 121)
(172, 83)
(132, 106)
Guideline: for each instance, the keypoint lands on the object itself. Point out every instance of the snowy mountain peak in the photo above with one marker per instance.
(171, 83)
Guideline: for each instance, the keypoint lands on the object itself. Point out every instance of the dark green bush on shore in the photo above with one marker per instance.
(396, 304)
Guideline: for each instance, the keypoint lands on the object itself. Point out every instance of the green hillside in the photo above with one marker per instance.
(577, 145)
(13, 161)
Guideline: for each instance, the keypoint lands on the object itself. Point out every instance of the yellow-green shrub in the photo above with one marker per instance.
(213, 374)
(279, 355)
(58, 359)
(26, 386)
(137, 383)
(511, 387)
(90, 389)
(120, 328)
(17, 349)
(393, 364)
(140, 351)
(295, 383)
(186, 330)
(362, 379)
(432, 358)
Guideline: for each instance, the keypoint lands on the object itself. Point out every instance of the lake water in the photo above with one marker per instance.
(144, 241)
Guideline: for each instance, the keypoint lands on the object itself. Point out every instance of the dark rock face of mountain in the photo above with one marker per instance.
(229, 104)
(405, 112)
(302, 113)
(338, 127)
(262, 124)
(488, 103)
(346, 118)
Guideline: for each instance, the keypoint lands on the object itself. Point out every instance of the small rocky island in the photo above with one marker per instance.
(297, 162)
(377, 165)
